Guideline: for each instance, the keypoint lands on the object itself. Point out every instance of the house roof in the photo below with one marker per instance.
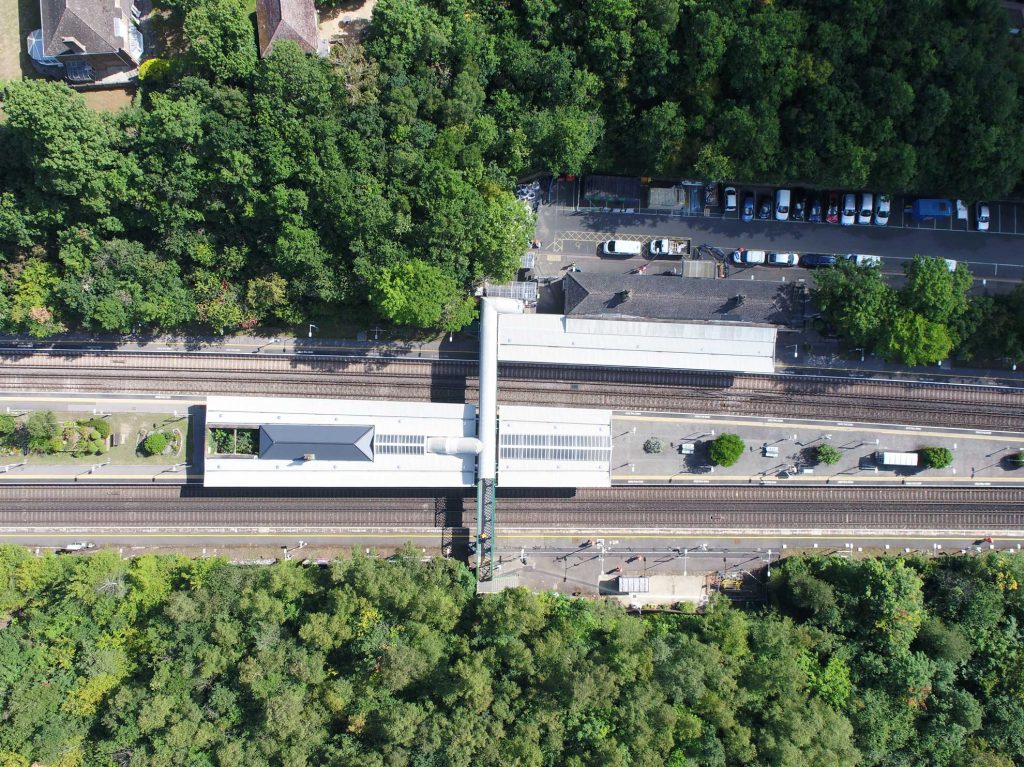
(287, 20)
(672, 298)
(90, 22)
(290, 442)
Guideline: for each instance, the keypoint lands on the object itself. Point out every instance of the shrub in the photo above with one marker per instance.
(154, 70)
(726, 450)
(7, 426)
(653, 445)
(154, 444)
(244, 441)
(101, 426)
(1017, 459)
(54, 445)
(42, 427)
(935, 457)
(828, 455)
(223, 440)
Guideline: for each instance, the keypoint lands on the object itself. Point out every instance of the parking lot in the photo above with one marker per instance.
(1005, 217)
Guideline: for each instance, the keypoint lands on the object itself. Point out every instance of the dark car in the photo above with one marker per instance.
(814, 211)
(799, 209)
(817, 260)
(832, 214)
(764, 209)
(748, 208)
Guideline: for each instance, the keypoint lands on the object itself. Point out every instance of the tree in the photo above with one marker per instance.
(726, 449)
(913, 340)
(652, 445)
(935, 293)
(857, 300)
(936, 457)
(1017, 459)
(416, 293)
(155, 443)
(828, 455)
(7, 426)
(42, 428)
(220, 39)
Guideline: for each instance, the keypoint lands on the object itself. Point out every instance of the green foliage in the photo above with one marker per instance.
(653, 445)
(421, 295)
(726, 449)
(223, 440)
(7, 426)
(221, 40)
(935, 457)
(1017, 459)
(384, 661)
(155, 443)
(101, 425)
(245, 441)
(42, 429)
(828, 455)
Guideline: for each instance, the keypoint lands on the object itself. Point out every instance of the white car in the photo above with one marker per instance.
(882, 210)
(950, 264)
(981, 216)
(782, 200)
(783, 259)
(849, 212)
(79, 546)
(730, 199)
(750, 257)
(861, 259)
(961, 211)
(867, 204)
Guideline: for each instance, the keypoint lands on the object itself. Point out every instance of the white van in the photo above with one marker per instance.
(622, 248)
(782, 205)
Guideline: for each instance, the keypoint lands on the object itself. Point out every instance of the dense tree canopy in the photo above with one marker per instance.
(169, 661)
(280, 190)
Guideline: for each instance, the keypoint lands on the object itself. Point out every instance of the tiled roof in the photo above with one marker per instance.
(90, 22)
(656, 297)
(287, 20)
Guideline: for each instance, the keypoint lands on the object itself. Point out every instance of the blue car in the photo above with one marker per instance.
(748, 208)
(814, 214)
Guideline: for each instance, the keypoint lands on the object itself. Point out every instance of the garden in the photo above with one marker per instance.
(232, 441)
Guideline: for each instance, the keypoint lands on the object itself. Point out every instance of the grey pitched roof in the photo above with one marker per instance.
(681, 299)
(91, 22)
(284, 442)
(287, 20)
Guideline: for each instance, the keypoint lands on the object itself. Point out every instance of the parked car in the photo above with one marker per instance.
(849, 214)
(832, 213)
(783, 259)
(817, 260)
(814, 211)
(867, 208)
(764, 209)
(749, 257)
(730, 199)
(799, 209)
(748, 208)
(78, 546)
(860, 259)
(981, 216)
(961, 210)
(782, 202)
(882, 210)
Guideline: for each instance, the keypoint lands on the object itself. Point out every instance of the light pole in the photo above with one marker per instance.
(312, 327)
(796, 350)
(861, 354)
(98, 466)
(6, 468)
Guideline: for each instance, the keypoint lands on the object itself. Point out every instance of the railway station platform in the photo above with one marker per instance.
(784, 451)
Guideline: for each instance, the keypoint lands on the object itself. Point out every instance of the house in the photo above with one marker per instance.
(294, 20)
(683, 299)
(87, 41)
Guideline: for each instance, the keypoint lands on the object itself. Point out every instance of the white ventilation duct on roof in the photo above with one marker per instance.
(487, 428)
(454, 445)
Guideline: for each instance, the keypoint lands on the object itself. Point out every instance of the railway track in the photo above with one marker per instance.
(749, 508)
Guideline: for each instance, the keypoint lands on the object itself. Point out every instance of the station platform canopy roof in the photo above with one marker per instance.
(558, 340)
(344, 443)
(554, 447)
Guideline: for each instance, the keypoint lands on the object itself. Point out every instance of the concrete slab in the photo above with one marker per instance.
(784, 450)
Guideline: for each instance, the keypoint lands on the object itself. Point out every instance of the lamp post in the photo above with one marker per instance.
(98, 466)
(312, 327)
(861, 354)
(796, 350)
